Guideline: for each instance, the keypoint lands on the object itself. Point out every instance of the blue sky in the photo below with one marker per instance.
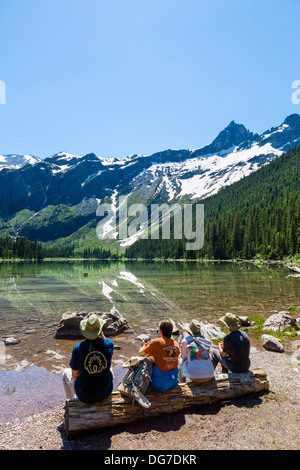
(120, 77)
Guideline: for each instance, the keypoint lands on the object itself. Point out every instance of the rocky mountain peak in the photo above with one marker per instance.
(293, 120)
(233, 135)
(70, 179)
(285, 136)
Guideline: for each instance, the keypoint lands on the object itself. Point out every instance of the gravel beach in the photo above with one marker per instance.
(269, 421)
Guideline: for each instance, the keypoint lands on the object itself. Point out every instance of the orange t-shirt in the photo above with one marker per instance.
(165, 352)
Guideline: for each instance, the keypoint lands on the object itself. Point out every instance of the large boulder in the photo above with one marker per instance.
(244, 321)
(279, 321)
(115, 324)
(210, 331)
(68, 327)
(272, 344)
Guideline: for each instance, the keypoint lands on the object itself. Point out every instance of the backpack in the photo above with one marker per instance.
(137, 379)
(202, 348)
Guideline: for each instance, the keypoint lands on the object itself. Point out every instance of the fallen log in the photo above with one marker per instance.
(117, 409)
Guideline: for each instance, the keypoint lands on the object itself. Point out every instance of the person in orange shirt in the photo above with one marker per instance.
(165, 352)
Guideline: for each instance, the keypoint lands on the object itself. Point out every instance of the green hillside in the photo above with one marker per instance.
(259, 216)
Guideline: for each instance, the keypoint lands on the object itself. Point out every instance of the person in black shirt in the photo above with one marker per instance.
(89, 377)
(234, 351)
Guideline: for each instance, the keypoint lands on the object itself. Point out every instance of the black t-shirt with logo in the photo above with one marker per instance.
(237, 346)
(92, 359)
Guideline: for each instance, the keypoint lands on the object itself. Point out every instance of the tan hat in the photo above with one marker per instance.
(231, 321)
(91, 327)
(133, 361)
(194, 328)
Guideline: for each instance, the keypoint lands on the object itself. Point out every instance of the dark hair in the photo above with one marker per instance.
(166, 328)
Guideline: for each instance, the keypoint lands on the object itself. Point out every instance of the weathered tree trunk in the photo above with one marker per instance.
(117, 409)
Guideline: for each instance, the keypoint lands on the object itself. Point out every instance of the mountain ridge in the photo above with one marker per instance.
(43, 198)
(234, 133)
(256, 217)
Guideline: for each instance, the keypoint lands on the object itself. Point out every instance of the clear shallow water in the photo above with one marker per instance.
(33, 298)
(28, 392)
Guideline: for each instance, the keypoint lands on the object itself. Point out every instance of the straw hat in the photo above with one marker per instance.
(133, 361)
(91, 327)
(231, 321)
(193, 328)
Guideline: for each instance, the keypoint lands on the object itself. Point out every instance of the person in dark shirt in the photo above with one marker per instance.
(89, 377)
(234, 351)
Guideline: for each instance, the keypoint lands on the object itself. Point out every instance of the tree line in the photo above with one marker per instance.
(21, 248)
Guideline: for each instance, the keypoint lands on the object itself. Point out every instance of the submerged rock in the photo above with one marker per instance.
(10, 341)
(68, 327)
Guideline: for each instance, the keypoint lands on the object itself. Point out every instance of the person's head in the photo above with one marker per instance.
(91, 327)
(166, 328)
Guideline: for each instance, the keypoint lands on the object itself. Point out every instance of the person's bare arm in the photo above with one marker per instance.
(221, 345)
(141, 351)
(75, 374)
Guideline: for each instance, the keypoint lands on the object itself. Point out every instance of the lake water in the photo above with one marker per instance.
(34, 296)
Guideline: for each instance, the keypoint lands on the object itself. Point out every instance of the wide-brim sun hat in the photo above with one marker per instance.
(194, 328)
(91, 327)
(133, 361)
(231, 321)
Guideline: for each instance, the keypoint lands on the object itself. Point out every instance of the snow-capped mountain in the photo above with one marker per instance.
(17, 161)
(199, 173)
(234, 154)
(204, 176)
(82, 182)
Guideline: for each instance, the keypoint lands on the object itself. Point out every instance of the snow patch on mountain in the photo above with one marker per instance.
(200, 177)
(17, 161)
(67, 156)
(215, 172)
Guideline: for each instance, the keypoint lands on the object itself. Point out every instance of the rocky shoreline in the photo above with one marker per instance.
(267, 421)
(256, 422)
